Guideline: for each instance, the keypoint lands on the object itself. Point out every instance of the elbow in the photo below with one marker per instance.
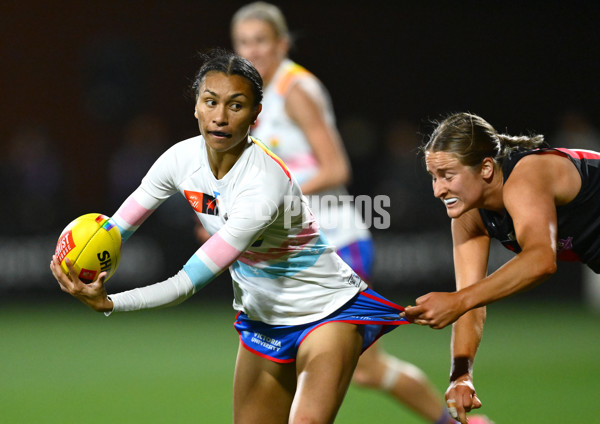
(545, 267)
(343, 172)
(336, 175)
(345, 176)
(550, 270)
(536, 267)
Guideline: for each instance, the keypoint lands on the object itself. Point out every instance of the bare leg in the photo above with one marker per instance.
(404, 381)
(262, 390)
(325, 364)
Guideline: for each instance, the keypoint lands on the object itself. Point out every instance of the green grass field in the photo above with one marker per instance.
(62, 363)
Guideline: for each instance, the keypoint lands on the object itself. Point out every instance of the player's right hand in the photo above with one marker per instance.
(461, 396)
(94, 294)
(435, 309)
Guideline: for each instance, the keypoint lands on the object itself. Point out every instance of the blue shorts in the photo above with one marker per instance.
(279, 343)
(360, 256)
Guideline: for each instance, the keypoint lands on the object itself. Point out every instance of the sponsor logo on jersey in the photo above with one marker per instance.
(354, 280)
(565, 250)
(202, 202)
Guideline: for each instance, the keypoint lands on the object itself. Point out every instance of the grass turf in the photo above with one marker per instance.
(61, 363)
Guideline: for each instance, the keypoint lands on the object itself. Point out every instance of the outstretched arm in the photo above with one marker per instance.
(471, 252)
(537, 185)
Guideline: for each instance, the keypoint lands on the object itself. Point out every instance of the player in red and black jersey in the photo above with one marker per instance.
(540, 202)
(578, 221)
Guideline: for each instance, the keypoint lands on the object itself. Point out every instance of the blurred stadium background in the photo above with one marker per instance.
(92, 92)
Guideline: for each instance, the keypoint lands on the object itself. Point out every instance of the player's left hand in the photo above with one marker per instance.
(461, 398)
(436, 309)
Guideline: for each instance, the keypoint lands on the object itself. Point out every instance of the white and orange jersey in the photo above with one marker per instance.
(283, 136)
(283, 270)
(278, 131)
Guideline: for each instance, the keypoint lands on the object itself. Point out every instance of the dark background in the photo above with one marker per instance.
(75, 75)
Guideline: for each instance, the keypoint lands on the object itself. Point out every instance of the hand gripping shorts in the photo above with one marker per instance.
(279, 343)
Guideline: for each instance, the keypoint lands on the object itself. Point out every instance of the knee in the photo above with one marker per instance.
(385, 371)
(368, 373)
(305, 419)
(309, 417)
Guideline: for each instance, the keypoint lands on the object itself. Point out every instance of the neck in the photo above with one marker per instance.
(222, 162)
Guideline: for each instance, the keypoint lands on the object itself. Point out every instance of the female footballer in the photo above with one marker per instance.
(304, 316)
(298, 124)
(542, 203)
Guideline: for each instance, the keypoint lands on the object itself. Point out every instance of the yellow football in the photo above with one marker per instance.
(92, 243)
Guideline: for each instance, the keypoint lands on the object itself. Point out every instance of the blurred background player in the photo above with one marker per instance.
(297, 122)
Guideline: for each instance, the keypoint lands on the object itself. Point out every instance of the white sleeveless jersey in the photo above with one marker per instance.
(339, 221)
(283, 271)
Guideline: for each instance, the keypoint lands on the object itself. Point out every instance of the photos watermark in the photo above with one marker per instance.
(341, 211)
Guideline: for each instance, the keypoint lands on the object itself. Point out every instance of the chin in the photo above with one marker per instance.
(453, 213)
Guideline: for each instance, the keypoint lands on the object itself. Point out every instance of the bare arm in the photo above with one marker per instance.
(538, 184)
(471, 253)
(324, 139)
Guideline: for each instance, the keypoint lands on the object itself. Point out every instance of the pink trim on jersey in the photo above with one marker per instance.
(133, 213)
(304, 237)
(301, 162)
(219, 251)
(580, 154)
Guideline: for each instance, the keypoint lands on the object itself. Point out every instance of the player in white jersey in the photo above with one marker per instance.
(304, 315)
(297, 122)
